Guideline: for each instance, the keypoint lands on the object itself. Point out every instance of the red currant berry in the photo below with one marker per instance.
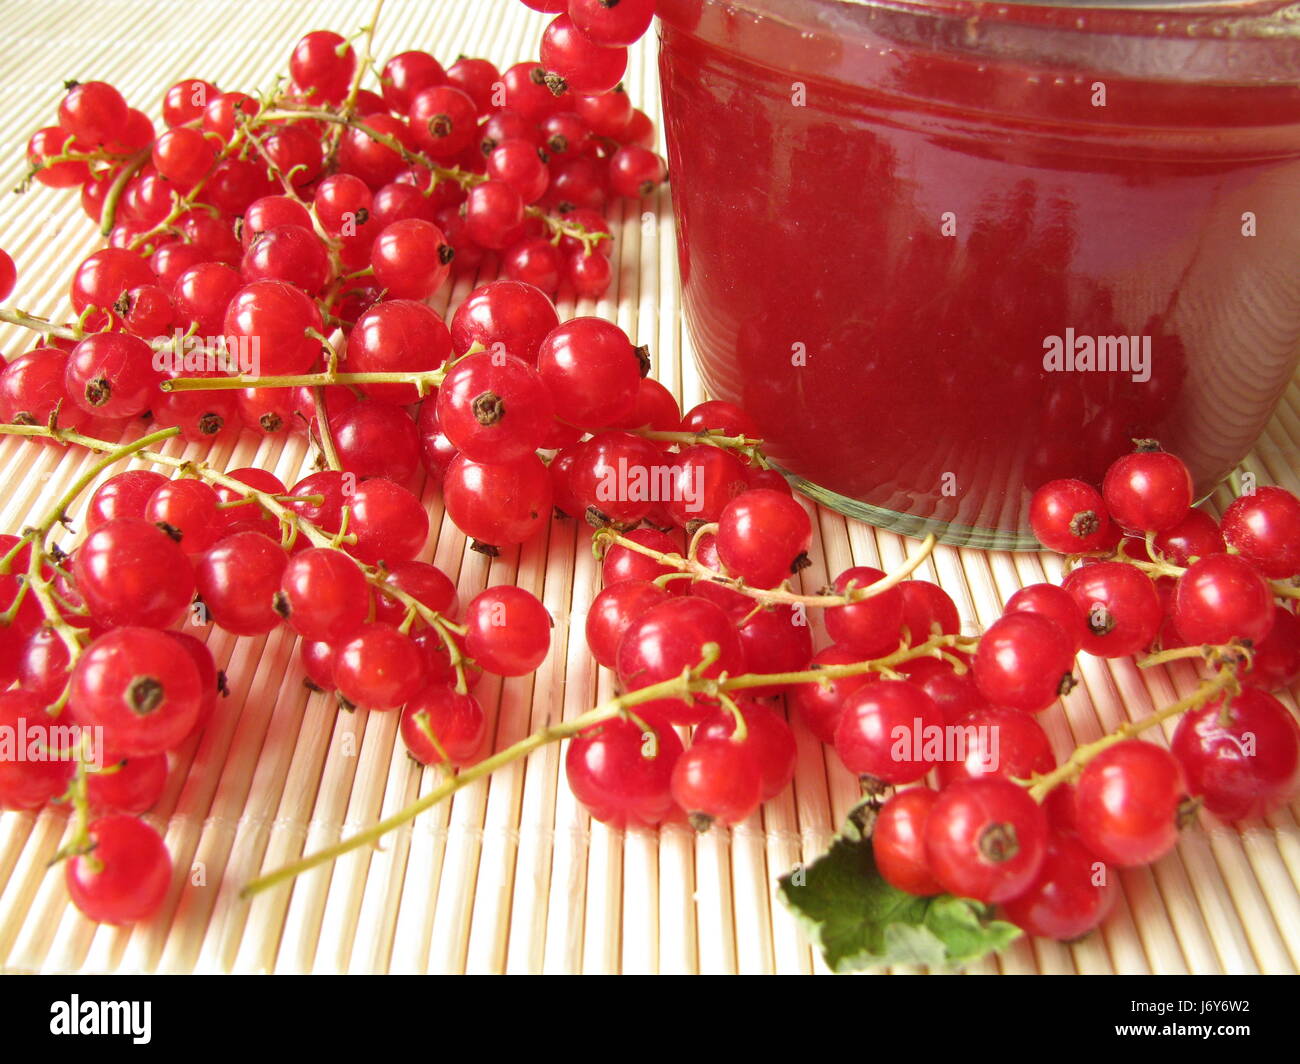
(592, 371)
(411, 258)
(186, 100)
(763, 537)
(607, 114)
(124, 495)
(624, 563)
(187, 511)
(443, 120)
(1195, 536)
(323, 595)
(397, 336)
(287, 253)
(768, 739)
(407, 74)
(928, 610)
(183, 156)
(888, 731)
(777, 639)
(440, 724)
(127, 784)
(717, 780)
(615, 24)
(1148, 491)
(994, 741)
(24, 783)
(1130, 802)
(584, 66)
(670, 637)
(612, 613)
(705, 480)
(477, 78)
(1219, 598)
(500, 504)
(1054, 603)
(129, 572)
(512, 314)
(249, 516)
(1069, 517)
(1121, 605)
(376, 439)
(426, 583)
(635, 172)
(34, 386)
(821, 704)
(955, 694)
(1073, 894)
(1241, 759)
(623, 776)
(1275, 663)
(237, 581)
(322, 65)
(274, 319)
(93, 112)
(494, 409)
(134, 684)
(124, 878)
(378, 667)
(869, 627)
(985, 839)
(390, 522)
(898, 841)
(1265, 529)
(1023, 661)
(508, 630)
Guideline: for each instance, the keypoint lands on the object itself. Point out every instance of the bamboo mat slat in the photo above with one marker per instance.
(511, 875)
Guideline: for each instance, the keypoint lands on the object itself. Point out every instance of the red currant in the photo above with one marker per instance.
(985, 839)
(1129, 802)
(124, 878)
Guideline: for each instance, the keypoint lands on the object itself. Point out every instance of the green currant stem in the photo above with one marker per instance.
(1160, 567)
(108, 216)
(422, 381)
(1041, 786)
(740, 732)
(78, 794)
(350, 103)
(605, 536)
(326, 433)
(57, 514)
(38, 324)
(681, 686)
(750, 446)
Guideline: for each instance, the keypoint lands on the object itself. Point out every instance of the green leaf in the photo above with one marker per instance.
(859, 922)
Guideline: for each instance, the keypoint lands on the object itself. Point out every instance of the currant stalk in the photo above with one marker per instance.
(689, 682)
(688, 566)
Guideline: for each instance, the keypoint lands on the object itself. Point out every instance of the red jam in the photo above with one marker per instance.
(945, 252)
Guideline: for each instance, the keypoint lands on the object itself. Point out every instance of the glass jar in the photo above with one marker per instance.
(944, 252)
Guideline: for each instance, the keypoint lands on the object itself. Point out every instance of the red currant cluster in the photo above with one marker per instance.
(263, 222)
(376, 625)
(1006, 825)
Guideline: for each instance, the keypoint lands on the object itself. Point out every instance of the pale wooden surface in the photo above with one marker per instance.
(511, 876)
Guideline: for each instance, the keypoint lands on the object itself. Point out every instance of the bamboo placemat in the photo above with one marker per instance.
(511, 875)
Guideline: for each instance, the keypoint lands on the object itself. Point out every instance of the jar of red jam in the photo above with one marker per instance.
(944, 252)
